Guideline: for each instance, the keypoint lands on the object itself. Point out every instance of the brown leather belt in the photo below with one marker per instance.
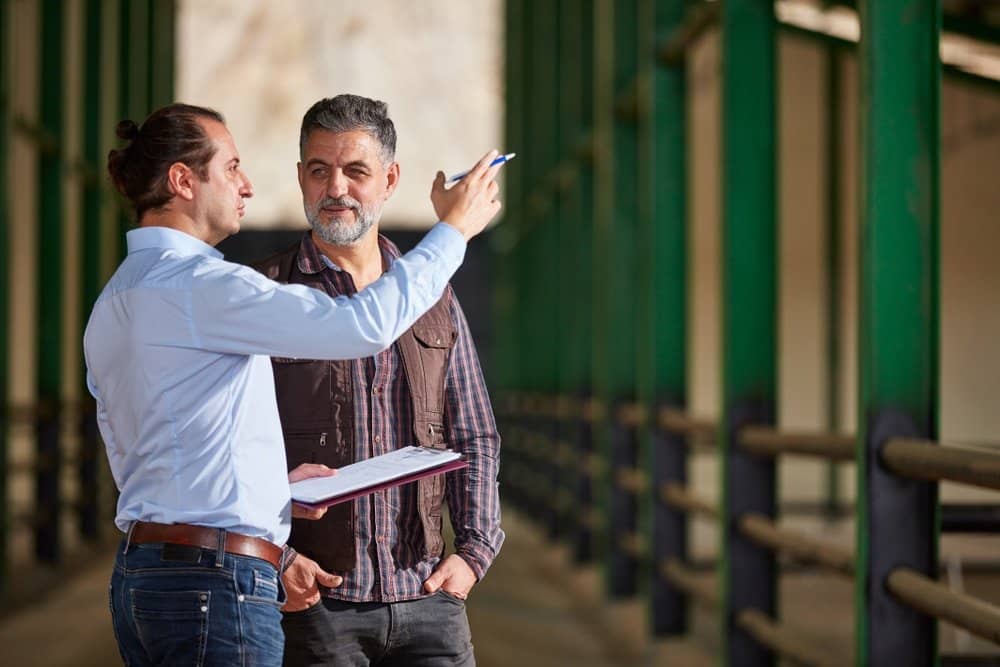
(145, 532)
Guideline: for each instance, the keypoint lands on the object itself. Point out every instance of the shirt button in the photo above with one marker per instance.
(378, 438)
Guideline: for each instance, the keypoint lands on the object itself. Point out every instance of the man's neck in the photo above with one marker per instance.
(181, 222)
(363, 260)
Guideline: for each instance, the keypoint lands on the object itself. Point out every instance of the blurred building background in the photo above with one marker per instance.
(566, 296)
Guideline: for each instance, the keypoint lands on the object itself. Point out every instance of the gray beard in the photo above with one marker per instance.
(339, 232)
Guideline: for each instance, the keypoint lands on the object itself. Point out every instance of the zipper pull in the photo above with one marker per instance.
(322, 439)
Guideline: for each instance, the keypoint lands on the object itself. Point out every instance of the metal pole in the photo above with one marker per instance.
(669, 292)
(48, 501)
(93, 235)
(583, 336)
(897, 521)
(749, 312)
(623, 299)
(603, 217)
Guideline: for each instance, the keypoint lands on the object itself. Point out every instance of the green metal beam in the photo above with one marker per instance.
(899, 204)
(49, 281)
(749, 333)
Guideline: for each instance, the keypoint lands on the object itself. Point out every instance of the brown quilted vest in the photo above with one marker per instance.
(316, 406)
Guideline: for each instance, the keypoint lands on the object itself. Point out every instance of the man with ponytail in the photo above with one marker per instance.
(177, 351)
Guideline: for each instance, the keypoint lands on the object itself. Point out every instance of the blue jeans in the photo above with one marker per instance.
(170, 605)
(428, 632)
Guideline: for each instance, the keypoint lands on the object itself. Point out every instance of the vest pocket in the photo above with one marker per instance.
(303, 388)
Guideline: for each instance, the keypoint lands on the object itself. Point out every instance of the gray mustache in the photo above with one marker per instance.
(340, 202)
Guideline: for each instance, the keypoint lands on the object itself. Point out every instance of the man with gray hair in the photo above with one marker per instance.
(371, 583)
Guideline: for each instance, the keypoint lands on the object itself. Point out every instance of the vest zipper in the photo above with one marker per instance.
(322, 439)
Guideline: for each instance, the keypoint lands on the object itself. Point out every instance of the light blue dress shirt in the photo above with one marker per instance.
(177, 351)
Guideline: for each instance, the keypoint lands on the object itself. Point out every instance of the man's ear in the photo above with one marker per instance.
(300, 168)
(392, 179)
(180, 181)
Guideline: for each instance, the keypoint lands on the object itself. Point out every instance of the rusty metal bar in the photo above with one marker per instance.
(679, 497)
(767, 533)
(678, 421)
(633, 480)
(782, 640)
(686, 580)
(769, 441)
(924, 459)
(935, 599)
(632, 415)
(674, 48)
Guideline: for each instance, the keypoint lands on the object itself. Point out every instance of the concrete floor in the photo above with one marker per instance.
(532, 609)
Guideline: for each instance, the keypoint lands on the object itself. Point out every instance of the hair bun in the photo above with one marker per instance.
(127, 130)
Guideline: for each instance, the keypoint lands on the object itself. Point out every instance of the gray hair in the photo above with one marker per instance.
(348, 113)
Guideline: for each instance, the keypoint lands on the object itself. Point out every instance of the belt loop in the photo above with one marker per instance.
(128, 537)
(220, 553)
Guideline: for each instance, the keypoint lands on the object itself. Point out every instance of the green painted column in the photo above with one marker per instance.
(504, 375)
(134, 73)
(581, 227)
(668, 452)
(94, 154)
(899, 204)
(549, 307)
(623, 276)
(5, 284)
(162, 36)
(50, 321)
(573, 299)
(749, 330)
(603, 207)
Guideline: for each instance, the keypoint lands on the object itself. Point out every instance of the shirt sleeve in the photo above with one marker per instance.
(472, 493)
(233, 309)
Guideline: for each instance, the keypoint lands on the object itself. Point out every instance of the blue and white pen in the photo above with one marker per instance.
(499, 160)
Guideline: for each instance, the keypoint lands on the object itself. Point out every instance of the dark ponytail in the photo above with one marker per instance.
(170, 134)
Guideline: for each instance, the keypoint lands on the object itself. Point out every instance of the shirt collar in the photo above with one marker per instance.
(183, 243)
(312, 261)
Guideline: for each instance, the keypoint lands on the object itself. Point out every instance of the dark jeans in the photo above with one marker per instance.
(429, 632)
(170, 605)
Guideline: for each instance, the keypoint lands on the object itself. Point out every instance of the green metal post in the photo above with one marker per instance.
(91, 459)
(668, 455)
(749, 335)
(549, 309)
(582, 230)
(897, 520)
(162, 34)
(573, 299)
(48, 501)
(134, 72)
(623, 564)
(603, 202)
(5, 285)
(502, 239)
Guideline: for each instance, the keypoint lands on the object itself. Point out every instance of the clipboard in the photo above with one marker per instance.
(362, 478)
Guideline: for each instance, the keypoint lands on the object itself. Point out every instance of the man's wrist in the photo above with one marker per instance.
(288, 555)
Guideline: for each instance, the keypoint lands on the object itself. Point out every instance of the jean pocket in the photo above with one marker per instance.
(260, 587)
(172, 625)
(451, 597)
